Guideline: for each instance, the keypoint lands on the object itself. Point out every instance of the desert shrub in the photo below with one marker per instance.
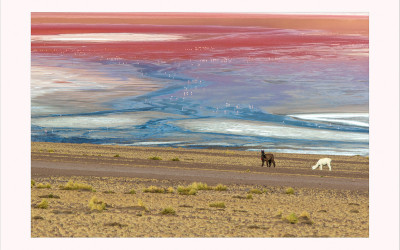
(41, 185)
(279, 214)
(95, 204)
(291, 218)
(217, 204)
(154, 189)
(189, 190)
(132, 191)
(200, 186)
(44, 204)
(255, 191)
(175, 159)
(37, 217)
(168, 210)
(171, 190)
(117, 155)
(289, 191)
(141, 204)
(155, 158)
(50, 196)
(354, 211)
(220, 187)
(305, 218)
(249, 197)
(33, 183)
(50, 151)
(75, 186)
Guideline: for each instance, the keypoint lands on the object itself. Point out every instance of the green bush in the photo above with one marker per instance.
(33, 183)
(117, 155)
(175, 159)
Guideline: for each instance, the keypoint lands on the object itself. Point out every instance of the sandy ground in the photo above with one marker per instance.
(336, 203)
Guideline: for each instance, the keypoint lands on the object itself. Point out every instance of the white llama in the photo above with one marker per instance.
(323, 161)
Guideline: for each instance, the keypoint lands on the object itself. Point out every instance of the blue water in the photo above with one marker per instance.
(234, 104)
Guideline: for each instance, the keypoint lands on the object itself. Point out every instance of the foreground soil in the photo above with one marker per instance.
(326, 203)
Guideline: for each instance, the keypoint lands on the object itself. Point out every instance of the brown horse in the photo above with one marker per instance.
(268, 158)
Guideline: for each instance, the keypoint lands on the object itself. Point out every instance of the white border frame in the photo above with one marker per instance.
(384, 124)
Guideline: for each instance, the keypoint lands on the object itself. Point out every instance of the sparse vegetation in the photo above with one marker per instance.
(38, 217)
(141, 204)
(154, 189)
(175, 159)
(132, 191)
(95, 204)
(189, 190)
(33, 183)
(221, 187)
(50, 196)
(305, 218)
(50, 150)
(200, 186)
(355, 211)
(292, 218)
(217, 204)
(249, 197)
(44, 204)
(117, 155)
(41, 185)
(168, 210)
(289, 191)
(255, 191)
(109, 192)
(76, 186)
(155, 158)
(170, 190)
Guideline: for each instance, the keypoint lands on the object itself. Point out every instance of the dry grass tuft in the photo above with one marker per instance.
(41, 185)
(95, 204)
(50, 196)
(76, 186)
(155, 158)
(291, 218)
(44, 204)
(189, 190)
(168, 211)
(289, 191)
(221, 187)
(255, 191)
(217, 204)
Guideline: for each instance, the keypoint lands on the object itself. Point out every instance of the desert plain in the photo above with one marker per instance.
(86, 190)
